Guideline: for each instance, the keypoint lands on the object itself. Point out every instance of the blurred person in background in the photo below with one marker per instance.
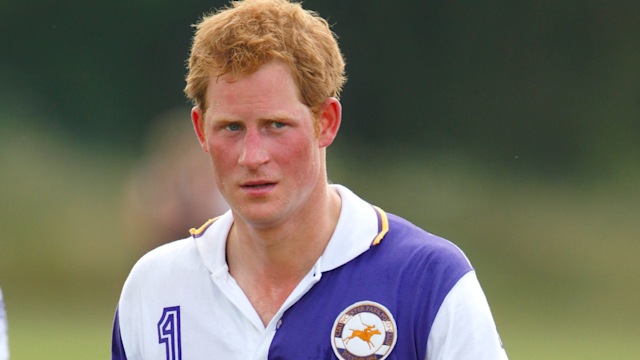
(4, 337)
(298, 268)
(170, 188)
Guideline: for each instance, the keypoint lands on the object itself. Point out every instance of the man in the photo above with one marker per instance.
(4, 340)
(298, 268)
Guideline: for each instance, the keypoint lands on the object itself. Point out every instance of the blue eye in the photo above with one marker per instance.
(233, 127)
(278, 124)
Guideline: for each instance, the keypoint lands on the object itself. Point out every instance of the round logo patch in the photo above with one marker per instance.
(364, 330)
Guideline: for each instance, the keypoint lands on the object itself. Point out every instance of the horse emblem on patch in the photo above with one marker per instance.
(364, 330)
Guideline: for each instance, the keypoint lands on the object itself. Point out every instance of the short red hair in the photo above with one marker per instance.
(239, 39)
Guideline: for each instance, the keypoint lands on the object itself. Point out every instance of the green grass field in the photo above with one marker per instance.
(557, 258)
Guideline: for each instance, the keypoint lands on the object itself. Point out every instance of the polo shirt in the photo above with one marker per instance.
(382, 289)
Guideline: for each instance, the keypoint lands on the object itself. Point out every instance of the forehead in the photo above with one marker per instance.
(271, 82)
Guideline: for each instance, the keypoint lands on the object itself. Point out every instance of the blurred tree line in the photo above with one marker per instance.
(549, 86)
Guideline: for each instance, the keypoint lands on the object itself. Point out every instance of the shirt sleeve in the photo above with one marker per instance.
(117, 348)
(464, 328)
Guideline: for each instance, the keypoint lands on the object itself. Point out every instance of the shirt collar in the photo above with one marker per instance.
(359, 227)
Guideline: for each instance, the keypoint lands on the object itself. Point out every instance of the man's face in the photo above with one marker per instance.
(268, 161)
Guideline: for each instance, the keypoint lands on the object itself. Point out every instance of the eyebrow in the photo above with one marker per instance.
(277, 117)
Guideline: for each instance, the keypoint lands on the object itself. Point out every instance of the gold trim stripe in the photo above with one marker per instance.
(197, 232)
(384, 226)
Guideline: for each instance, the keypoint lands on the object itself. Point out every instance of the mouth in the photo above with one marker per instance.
(257, 185)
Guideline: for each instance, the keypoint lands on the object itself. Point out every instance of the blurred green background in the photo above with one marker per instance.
(512, 129)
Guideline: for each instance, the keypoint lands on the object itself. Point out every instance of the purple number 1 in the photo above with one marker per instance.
(169, 332)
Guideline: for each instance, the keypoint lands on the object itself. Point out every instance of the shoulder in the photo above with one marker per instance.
(160, 275)
(170, 264)
(415, 243)
(426, 266)
(162, 263)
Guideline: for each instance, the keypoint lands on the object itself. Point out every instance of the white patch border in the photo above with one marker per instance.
(350, 308)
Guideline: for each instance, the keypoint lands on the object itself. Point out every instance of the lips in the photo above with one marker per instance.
(257, 183)
(257, 186)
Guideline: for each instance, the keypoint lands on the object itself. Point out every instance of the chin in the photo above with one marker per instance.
(257, 217)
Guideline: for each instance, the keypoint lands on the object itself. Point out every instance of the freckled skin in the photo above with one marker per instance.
(260, 137)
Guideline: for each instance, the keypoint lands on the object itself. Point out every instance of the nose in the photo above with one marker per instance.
(253, 152)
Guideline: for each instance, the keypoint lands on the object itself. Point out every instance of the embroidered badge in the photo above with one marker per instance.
(364, 330)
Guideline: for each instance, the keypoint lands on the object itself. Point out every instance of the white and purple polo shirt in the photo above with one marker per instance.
(383, 289)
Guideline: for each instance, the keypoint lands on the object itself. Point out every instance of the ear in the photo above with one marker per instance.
(197, 118)
(330, 118)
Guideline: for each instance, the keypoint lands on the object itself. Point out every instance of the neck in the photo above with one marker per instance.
(268, 263)
(289, 249)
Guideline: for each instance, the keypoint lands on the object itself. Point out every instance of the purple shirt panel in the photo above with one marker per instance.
(410, 272)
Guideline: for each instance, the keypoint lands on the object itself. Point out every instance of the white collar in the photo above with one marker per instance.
(358, 227)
